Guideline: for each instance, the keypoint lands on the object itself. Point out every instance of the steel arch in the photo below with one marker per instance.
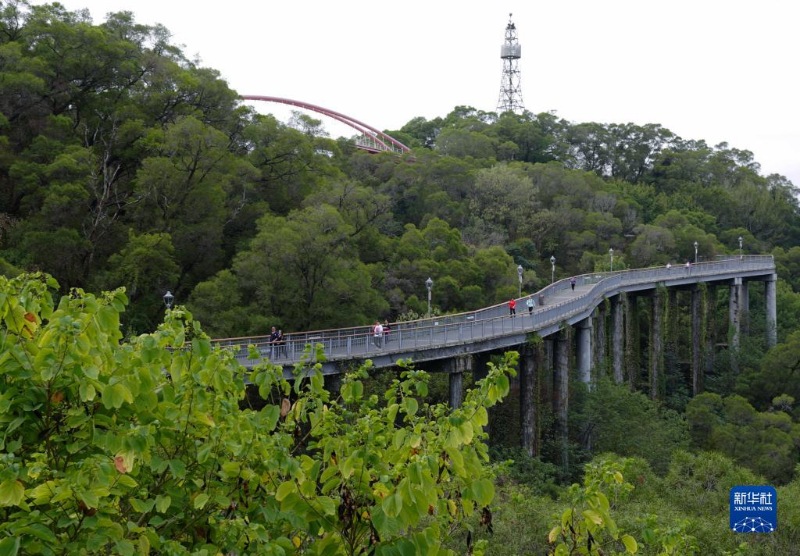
(372, 140)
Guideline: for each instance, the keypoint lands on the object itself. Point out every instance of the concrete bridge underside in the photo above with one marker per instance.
(583, 350)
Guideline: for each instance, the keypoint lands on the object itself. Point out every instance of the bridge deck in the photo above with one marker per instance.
(492, 328)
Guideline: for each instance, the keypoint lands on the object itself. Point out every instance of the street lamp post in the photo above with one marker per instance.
(429, 285)
(552, 269)
(695, 251)
(519, 274)
(611, 256)
(168, 299)
(740, 247)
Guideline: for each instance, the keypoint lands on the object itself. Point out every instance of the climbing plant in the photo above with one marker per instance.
(704, 338)
(630, 308)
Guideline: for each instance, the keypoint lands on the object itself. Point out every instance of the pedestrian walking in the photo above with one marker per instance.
(529, 303)
(377, 334)
(273, 342)
(281, 343)
(572, 283)
(512, 307)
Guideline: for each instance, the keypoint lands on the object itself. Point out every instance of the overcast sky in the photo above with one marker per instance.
(717, 70)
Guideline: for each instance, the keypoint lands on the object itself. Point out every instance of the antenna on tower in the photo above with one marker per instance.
(510, 89)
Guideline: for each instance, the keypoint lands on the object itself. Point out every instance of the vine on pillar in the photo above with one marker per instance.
(704, 323)
(631, 338)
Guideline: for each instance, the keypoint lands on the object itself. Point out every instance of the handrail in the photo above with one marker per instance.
(494, 321)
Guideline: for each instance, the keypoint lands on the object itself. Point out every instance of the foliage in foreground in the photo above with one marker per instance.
(587, 526)
(132, 446)
(621, 507)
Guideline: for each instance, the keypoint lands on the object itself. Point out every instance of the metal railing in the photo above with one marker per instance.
(554, 304)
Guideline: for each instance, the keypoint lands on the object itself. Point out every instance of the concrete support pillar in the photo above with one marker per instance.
(617, 338)
(697, 371)
(456, 389)
(584, 347)
(632, 346)
(770, 301)
(528, 373)
(744, 308)
(547, 374)
(672, 373)
(457, 366)
(734, 312)
(656, 347)
(734, 322)
(561, 384)
(600, 349)
(711, 329)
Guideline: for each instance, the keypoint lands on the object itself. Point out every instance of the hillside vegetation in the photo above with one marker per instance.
(126, 167)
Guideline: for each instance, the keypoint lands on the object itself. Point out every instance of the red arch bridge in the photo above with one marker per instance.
(371, 139)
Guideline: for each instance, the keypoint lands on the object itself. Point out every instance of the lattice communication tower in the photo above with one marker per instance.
(510, 89)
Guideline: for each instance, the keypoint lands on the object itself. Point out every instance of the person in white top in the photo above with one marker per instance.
(377, 334)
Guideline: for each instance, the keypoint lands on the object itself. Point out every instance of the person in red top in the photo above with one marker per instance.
(512, 307)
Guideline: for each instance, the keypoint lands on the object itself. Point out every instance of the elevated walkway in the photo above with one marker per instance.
(492, 328)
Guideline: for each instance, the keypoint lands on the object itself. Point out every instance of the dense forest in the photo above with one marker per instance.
(124, 164)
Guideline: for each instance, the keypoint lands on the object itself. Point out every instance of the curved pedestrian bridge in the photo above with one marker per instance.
(492, 328)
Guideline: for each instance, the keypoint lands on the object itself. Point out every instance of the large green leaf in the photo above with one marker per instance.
(11, 492)
(114, 395)
(411, 406)
(200, 501)
(86, 391)
(392, 505)
(631, 546)
(284, 489)
(163, 503)
(483, 491)
(142, 506)
(9, 546)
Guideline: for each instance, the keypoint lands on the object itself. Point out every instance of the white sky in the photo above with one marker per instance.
(717, 70)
